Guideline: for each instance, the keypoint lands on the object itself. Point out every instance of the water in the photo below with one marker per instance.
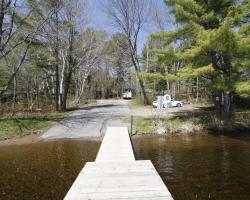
(42, 171)
(201, 166)
(193, 167)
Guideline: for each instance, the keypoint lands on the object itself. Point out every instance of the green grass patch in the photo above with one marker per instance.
(142, 124)
(206, 121)
(22, 125)
(150, 125)
(186, 124)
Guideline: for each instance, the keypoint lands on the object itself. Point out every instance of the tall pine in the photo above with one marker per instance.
(213, 36)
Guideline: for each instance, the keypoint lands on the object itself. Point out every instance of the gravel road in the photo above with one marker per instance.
(91, 121)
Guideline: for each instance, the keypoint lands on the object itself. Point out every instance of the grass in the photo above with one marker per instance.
(175, 124)
(242, 109)
(141, 124)
(11, 127)
(144, 125)
(204, 119)
(183, 124)
(149, 124)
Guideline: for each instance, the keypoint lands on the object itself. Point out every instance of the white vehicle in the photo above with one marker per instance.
(168, 102)
(127, 94)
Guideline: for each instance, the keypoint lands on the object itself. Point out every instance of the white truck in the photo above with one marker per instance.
(168, 102)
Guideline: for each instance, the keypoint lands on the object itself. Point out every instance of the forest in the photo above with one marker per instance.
(50, 58)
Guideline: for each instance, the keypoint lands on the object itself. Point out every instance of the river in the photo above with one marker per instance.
(193, 167)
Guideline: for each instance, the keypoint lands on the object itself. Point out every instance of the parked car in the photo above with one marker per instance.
(127, 94)
(168, 102)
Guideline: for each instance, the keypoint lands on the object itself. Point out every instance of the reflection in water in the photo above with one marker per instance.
(225, 162)
(201, 166)
(43, 170)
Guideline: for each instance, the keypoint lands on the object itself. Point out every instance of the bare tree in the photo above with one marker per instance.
(160, 18)
(130, 17)
(7, 26)
(73, 12)
(89, 54)
(13, 24)
(119, 58)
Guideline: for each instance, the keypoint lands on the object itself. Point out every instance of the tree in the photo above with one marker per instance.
(130, 16)
(73, 12)
(16, 31)
(211, 44)
(12, 24)
(119, 58)
(50, 34)
(54, 27)
(89, 54)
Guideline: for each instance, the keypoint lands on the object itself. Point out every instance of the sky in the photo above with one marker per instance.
(98, 18)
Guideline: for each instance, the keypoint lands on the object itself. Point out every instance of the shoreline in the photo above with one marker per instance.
(26, 139)
(36, 137)
(186, 123)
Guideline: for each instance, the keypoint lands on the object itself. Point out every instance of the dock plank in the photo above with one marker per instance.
(116, 146)
(116, 174)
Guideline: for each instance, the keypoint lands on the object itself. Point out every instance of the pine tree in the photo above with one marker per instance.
(214, 40)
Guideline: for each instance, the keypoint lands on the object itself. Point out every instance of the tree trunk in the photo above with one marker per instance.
(14, 96)
(143, 92)
(137, 69)
(145, 100)
(62, 80)
(122, 89)
(37, 94)
(66, 90)
(2, 13)
(27, 94)
(15, 72)
(57, 64)
(173, 89)
(228, 106)
(69, 71)
(197, 89)
(218, 103)
(80, 91)
(147, 57)
(222, 63)
(57, 88)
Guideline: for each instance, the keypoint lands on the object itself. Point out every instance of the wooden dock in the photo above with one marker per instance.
(116, 174)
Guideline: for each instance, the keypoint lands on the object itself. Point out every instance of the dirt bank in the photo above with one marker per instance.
(27, 139)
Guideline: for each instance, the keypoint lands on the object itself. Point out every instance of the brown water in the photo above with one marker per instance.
(201, 166)
(42, 171)
(193, 167)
